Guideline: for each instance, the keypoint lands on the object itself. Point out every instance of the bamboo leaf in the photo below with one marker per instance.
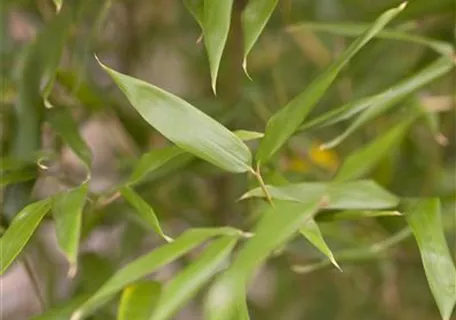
(15, 176)
(276, 226)
(254, 18)
(19, 232)
(144, 210)
(139, 300)
(185, 284)
(196, 8)
(67, 210)
(185, 125)
(147, 264)
(216, 25)
(62, 311)
(285, 122)
(354, 215)
(246, 135)
(356, 195)
(424, 218)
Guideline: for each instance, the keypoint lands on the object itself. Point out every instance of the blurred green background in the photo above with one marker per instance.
(157, 41)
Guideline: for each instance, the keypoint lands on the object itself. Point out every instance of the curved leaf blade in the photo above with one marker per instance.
(216, 25)
(354, 215)
(185, 125)
(285, 122)
(19, 232)
(67, 211)
(147, 264)
(191, 279)
(139, 300)
(196, 9)
(424, 218)
(254, 18)
(144, 210)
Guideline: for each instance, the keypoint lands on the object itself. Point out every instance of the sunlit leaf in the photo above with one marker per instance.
(424, 218)
(311, 231)
(276, 226)
(360, 162)
(20, 230)
(354, 215)
(285, 122)
(147, 264)
(67, 211)
(254, 18)
(216, 25)
(185, 125)
(58, 4)
(144, 210)
(139, 300)
(246, 135)
(362, 194)
(186, 284)
(384, 101)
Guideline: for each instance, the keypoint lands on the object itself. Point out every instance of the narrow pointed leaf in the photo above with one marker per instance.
(276, 226)
(62, 121)
(285, 122)
(354, 215)
(20, 230)
(424, 218)
(147, 264)
(185, 125)
(388, 99)
(246, 135)
(311, 231)
(216, 25)
(15, 176)
(152, 161)
(62, 311)
(139, 300)
(356, 195)
(58, 4)
(67, 210)
(254, 18)
(360, 162)
(196, 8)
(186, 284)
(144, 210)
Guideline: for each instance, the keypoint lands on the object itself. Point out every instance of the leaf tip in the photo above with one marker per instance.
(244, 66)
(402, 6)
(76, 315)
(72, 270)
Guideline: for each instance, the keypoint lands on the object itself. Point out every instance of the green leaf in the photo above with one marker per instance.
(186, 284)
(196, 8)
(21, 229)
(144, 210)
(62, 121)
(15, 176)
(276, 226)
(356, 195)
(363, 160)
(185, 125)
(147, 264)
(63, 311)
(311, 231)
(152, 161)
(246, 135)
(254, 18)
(139, 300)
(383, 102)
(216, 25)
(354, 215)
(58, 4)
(355, 30)
(424, 218)
(285, 122)
(67, 210)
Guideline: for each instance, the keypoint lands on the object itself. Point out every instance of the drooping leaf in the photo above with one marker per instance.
(356, 195)
(354, 215)
(276, 226)
(388, 99)
(196, 8)
(185, 284)
(424, 218)
(360, 162)
(139, 300)
(216, 25)
(147, 264)
(62, 122)
(311, 231)
(144, 210)
(19, 232)
(153, 160)
(254, 18)
(246, 135)
(356, 29)
(285, 122)
(185, 125)
(67, 210)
